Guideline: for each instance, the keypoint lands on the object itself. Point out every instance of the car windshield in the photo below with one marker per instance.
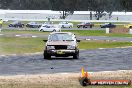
(87, 23)
(83, 23)
(61, 37)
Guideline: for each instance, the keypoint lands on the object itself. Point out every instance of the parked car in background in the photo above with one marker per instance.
(5, 20)
(16, 24)
(33, 25)
(128, 25)
(61, 44)
(50, 28)
(65, 25)
(47, 23)
(85, 25)
(108, 25)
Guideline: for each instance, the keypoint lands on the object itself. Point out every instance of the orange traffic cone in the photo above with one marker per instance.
(84, 74)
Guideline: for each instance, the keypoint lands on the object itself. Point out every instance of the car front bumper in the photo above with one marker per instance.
(61, 52)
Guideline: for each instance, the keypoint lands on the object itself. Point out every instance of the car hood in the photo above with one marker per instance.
(61, 43)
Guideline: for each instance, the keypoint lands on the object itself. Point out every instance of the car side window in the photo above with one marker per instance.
(47, 26)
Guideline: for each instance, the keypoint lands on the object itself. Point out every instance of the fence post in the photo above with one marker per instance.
(130, 31)
(107, 30)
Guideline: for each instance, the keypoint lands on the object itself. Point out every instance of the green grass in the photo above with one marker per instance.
(5, 31)
(96, 33)
(77, 32)
(17, 45)
(102, 44)
(14, 45)
(9, 45)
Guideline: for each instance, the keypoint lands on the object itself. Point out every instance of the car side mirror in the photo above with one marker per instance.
(45, 40)
(78, 40)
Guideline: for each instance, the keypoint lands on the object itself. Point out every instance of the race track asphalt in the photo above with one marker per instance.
(92, 60)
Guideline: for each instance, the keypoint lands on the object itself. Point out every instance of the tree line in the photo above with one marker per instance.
(69, 6)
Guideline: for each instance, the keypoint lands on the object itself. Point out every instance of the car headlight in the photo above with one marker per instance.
(70, 47)
(50, 47)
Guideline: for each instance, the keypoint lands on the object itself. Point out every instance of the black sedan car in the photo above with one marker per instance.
(33, 25)
(108, 25)
(16, 24)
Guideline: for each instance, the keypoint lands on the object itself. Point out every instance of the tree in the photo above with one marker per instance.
(126, 5)
(66, 6)
(101, 7)
(29, 4)
(4, 4)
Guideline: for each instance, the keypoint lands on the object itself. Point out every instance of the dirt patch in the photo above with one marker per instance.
(63, 79)
(119, 30)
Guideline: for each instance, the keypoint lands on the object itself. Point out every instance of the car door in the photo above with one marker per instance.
(66, 24)
(50, 28)
(47, 28)
(110, 25)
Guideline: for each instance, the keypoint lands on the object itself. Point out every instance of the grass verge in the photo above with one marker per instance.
(96, 33)
(77, 32)
(17, 45)
(13, 45)
(5, 31)
(102, 44)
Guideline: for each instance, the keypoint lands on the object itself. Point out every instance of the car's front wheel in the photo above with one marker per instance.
(70, 26)
(76, 56)
(46, 56)
(41, 30)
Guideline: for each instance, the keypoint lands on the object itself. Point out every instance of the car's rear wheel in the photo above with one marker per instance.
(84, 27)
(78, 26)
(54, 30)
(62, 26)
(90, 26)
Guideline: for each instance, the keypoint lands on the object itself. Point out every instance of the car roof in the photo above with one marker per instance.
(61, 33)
